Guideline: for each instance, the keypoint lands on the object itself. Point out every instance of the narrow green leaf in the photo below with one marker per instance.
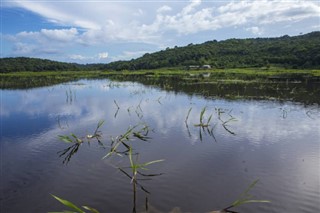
(73, 135)
(152, 162)
(100, 124)
(90, 209)
(256, 201)
(202, 113)
(209, 119)
(65, 138)
(68, 204)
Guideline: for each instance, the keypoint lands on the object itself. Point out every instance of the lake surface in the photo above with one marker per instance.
(204, 169)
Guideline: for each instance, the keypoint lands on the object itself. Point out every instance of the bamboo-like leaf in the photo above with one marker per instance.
(90, 209)
(209, 119)
(245, 197)
(188, 115)
(101, 122)
(68, 204)
(152, 162)
(65, 138)
(73, 135)
(255, 201)
(202, 113)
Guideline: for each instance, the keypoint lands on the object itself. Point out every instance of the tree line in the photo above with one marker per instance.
(301, 51)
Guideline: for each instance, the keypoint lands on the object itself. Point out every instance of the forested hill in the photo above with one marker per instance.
(301, 51)
(21, 64)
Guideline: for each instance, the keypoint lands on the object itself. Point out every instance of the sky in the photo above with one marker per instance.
(101, 31)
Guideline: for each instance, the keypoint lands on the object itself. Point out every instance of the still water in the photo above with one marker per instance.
(204, 169)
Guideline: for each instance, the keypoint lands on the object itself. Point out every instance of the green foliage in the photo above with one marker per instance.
(22, 64)
(301, 51)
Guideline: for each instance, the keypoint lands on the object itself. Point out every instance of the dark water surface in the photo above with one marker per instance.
(203, 169)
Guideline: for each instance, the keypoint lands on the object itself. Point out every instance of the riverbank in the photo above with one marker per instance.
(20, 80)
(259, 83)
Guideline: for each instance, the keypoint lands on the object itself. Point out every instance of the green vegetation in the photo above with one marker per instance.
(290, 52)
(122, 146)
(22, 64)
(239, 83)
(296, 52)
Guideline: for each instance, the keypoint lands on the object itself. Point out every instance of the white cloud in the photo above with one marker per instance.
(64, 35)
(255, 30)
(164, 9)
(56, 35)
(139, 12)
(105, 21)
(23, 48)
(92, 24)
(77, 57)
(103, 55)
(238, 13)
(266, 12)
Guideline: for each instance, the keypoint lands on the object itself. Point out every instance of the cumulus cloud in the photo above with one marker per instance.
(103, 55)
(64, 35)
(56, 35)
(193, 19)
(255, 30)
(91, 24)
(104, 21)
(23, 48)
(164, 9)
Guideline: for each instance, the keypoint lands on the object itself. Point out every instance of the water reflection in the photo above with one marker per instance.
(280, 150)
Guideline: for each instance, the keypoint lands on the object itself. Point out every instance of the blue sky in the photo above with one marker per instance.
(101, 31)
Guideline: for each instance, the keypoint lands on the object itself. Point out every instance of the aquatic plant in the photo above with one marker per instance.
(244, 198)
(201, 118)
(73, 207)
(76, 142)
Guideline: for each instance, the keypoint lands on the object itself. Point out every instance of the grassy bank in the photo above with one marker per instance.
(20, 80)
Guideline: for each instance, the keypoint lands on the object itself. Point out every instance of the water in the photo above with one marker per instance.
(275, 142)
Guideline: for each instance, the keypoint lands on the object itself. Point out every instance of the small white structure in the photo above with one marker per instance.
(206, 66)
